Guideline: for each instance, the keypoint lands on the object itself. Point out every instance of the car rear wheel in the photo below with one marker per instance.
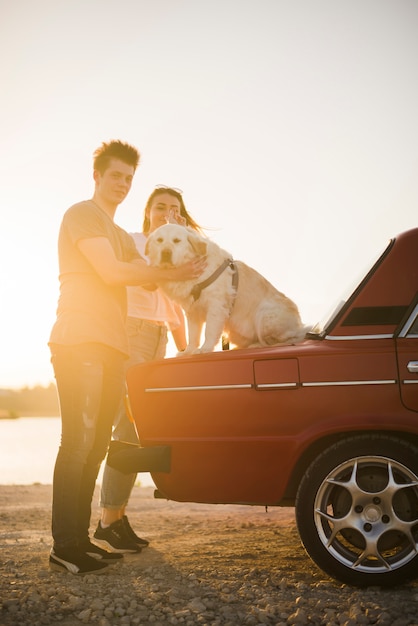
(357, 510)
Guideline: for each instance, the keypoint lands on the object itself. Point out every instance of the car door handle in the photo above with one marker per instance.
(412, 367)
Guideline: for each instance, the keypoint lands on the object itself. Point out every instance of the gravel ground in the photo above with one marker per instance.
(220, 565)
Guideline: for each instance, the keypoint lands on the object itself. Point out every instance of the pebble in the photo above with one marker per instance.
(112, 600)
(207, 579)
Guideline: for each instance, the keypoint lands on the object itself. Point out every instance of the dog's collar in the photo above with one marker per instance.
(197, 289)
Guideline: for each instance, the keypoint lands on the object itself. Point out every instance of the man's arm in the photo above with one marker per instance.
(100, 254)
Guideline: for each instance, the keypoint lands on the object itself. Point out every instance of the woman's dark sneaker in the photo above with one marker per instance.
(130, 533)
(99, 554)
(114, 538)
(75, 561)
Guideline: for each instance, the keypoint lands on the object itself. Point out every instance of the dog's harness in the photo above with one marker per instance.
(197, 289)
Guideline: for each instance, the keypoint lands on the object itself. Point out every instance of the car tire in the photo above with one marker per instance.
(357, 510)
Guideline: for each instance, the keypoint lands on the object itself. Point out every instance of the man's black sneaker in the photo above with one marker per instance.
(99, 554)
(143, 543)
(75, 561)
(114, 538)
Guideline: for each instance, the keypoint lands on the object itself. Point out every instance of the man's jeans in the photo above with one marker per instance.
(90, 379)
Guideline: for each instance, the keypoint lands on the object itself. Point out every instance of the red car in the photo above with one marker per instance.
(329, 426)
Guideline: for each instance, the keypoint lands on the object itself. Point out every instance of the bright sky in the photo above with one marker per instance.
(291, 126)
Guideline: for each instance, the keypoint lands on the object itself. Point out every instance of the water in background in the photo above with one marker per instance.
(28, 448)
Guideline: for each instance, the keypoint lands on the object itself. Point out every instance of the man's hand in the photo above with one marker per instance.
(187, 271)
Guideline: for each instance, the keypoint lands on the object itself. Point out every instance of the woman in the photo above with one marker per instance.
(150, 315)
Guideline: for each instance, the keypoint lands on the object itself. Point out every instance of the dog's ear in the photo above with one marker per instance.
(146, 247)
(199, 246)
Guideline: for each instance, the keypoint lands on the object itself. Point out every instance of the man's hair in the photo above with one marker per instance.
(115, 149)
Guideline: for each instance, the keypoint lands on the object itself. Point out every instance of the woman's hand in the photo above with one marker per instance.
(176, 218)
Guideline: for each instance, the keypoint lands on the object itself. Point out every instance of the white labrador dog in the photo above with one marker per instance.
(229, 297)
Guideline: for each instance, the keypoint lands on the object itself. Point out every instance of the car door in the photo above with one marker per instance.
(407, 350)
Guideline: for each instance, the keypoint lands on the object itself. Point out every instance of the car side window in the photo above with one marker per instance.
(413, 331)
(410, 328)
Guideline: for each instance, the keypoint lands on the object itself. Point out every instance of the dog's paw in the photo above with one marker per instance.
(205, 349)
(187, 351)
(198, 351)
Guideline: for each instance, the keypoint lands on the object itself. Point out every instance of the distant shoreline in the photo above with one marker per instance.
(26, 414)
(29, 402)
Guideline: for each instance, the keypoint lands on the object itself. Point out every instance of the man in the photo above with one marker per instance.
(89, 345)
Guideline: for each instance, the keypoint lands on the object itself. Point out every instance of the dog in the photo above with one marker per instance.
(229, 297)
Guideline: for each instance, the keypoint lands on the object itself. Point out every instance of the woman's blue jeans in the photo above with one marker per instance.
(90, 379)
(147, 341)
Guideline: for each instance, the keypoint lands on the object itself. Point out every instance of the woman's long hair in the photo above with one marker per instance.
(176, 193)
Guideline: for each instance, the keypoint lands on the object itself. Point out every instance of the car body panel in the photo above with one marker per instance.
(243, 424)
